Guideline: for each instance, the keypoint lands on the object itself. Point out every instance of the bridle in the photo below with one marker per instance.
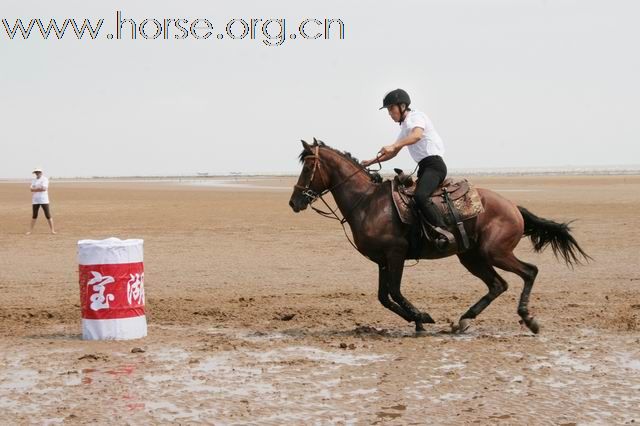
(312, 195)
(306, 190)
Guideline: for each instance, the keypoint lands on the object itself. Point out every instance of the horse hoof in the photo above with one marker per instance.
(533, 325)
(426, 318)
(464, 325)
(421, 333)
(461, 327)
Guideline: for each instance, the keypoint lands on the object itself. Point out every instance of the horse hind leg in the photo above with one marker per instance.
(479, 267)
(528, 273)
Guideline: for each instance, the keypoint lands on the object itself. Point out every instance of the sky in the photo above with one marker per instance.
(507, 84)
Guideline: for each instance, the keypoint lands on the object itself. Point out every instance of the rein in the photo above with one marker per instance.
(312, 196)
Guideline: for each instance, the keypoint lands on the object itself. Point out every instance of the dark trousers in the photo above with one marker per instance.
(45, 207)
(431, 173)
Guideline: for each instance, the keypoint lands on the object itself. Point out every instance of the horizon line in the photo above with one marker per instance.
(622, 169)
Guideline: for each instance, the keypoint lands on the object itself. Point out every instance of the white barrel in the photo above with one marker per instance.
(112, 289)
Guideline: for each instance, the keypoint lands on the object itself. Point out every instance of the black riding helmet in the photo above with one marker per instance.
(397, 97)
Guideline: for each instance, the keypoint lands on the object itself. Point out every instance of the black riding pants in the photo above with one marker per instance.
(431, 173)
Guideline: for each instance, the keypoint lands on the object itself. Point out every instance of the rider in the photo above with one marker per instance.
(426, 148)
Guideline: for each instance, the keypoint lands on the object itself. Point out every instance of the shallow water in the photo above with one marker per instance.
(272, 377)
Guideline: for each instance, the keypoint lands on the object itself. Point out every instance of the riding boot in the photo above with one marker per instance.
(434, 221)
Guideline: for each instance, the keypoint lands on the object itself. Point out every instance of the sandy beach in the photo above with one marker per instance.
(258, 315)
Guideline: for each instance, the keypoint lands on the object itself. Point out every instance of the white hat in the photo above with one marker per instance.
(37, 169)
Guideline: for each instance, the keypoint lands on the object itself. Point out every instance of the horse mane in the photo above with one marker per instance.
(374, 176)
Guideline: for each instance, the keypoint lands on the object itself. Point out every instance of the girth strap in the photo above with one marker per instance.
(463, 243)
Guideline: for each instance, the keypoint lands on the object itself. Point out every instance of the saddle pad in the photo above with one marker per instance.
(468, 206)
(403, 204)
(465, 199)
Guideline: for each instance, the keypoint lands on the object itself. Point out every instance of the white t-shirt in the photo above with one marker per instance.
(40, 197)
(429, 144)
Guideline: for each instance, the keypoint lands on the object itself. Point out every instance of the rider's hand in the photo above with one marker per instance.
(367, 163)
(388, 151)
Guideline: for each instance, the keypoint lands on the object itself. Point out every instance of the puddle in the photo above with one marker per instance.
(228, 183)
(518, 190)
(315, 354)
(570, 363)
(250, 336)
(299, 380)
(450, 367)
(627, 361)
(18, 378)
(449, 397)
(274, 377)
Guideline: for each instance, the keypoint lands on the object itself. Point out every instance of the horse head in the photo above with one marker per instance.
(313, 180)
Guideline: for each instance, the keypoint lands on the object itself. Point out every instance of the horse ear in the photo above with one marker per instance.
(315, 141)
(305, 145)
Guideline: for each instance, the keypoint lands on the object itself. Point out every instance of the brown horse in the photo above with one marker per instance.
(365, 203)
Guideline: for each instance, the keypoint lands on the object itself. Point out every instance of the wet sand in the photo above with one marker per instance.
(259, 315)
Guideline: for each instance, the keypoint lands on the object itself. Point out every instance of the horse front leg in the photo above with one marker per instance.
(383, 295)
(395, 268)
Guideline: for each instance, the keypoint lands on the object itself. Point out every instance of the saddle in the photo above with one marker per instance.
(457, 201)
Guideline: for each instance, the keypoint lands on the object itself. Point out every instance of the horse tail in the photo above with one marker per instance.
(544, 232)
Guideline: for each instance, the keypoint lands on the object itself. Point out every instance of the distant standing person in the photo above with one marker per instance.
(40, 198)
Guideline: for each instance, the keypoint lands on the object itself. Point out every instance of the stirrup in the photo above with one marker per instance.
(446, 235)
(442, 239)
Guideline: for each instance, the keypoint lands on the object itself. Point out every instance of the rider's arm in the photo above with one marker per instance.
(410, 139)
(390, 151)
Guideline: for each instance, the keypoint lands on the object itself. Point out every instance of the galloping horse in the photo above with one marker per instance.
(366, 204)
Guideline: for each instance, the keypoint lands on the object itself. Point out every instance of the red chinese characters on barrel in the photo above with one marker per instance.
(112, 291)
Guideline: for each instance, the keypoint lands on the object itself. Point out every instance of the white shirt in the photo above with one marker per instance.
(429, 144)
(40, 197)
